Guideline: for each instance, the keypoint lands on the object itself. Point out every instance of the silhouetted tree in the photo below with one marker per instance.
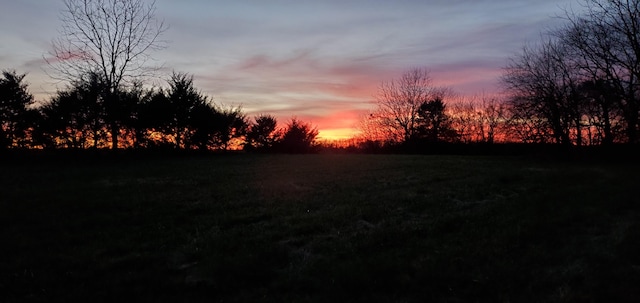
(603, 114)
(262, 134)
(233, 127)
(155, 114)
(217, 128)
(543, 87)
(298, 137)
(466, 120)
(183, 117)
(433, 124)
(525, 124)
(168, 114)
(604, 37)
(398, 102)
(75, 117)
(131, 104)
(370, 129)
(478, 119)
(15, 114)
(183, 100)
(493, 112)
(582, 84)
(39, 136)
(111, 39)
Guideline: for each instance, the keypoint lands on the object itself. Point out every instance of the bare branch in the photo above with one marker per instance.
(109, 37)
(399, 100)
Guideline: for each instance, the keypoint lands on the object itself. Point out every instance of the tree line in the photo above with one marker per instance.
(175, 117)
(103, 53)
(582, 82)
(579, 86)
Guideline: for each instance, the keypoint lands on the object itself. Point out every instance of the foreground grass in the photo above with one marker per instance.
(319, 228)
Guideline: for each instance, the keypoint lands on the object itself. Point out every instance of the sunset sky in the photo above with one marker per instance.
(320, 61)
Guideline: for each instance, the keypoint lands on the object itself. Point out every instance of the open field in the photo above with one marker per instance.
(320, 228)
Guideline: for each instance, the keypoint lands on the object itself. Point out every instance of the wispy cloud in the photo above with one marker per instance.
(318, 60)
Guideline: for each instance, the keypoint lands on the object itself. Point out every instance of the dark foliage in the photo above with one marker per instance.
(263, 134)
(75, 118)
(433, 123)
(298, 137)
(16, 117)
(184, 117)
(580, 86)
(112, 40)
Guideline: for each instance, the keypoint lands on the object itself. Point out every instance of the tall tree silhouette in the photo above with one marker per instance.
(170, 112)
(398, 102)
(433, 123)
(582, 83)
(262, 134)
(131, 101)
(479, 118)
(184, 118)
(184, 99)
(75, 117)
(232, 126)
(154, 119)
(604, 37)
(602, 111)
(298, 137)
(216, 128)
(112, 39)
(15, 114)
(543, 86)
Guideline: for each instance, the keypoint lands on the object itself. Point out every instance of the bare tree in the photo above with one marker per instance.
(371, 129)
(465, 117)
(605, 38)
(604, 123)
(398, 102)
(110, 38)
(542, 83)
(493, 118)
(523, 123)
(478, 118)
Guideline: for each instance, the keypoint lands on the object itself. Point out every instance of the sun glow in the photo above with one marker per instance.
(336, 134)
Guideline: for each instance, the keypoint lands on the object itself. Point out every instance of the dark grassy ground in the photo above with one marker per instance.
(320, 228)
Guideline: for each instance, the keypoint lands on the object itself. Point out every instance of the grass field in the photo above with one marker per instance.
(320, 228)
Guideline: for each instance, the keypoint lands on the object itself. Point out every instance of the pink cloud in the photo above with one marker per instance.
(331, 94)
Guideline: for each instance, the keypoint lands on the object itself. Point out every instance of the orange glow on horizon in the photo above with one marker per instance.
(333, 134)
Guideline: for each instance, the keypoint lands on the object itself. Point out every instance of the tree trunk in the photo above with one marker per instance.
(115, 130)
(631, 116)
(608, 135)
(578, 132)
(632, 128)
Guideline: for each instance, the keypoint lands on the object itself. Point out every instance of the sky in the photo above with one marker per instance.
(319, 61)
